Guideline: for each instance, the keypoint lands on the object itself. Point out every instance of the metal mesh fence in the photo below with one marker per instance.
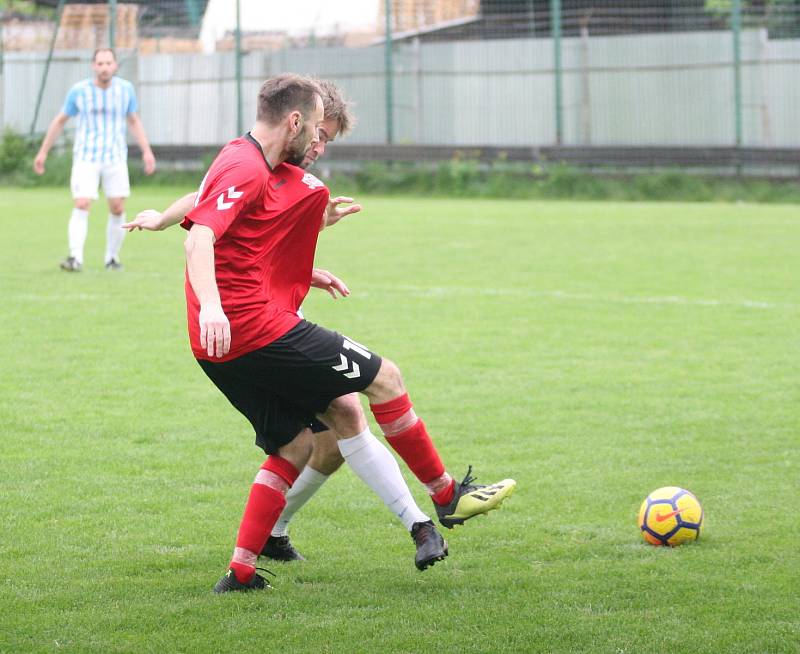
(457, 73)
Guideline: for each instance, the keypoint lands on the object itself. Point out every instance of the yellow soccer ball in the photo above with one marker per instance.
(670, 516)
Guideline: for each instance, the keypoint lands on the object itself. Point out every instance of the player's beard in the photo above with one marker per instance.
(297, 148)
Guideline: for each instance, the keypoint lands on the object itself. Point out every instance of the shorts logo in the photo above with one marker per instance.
(344, 365)
(344, 362)
(233, 194)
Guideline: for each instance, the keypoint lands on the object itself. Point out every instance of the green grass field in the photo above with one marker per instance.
(593, 351)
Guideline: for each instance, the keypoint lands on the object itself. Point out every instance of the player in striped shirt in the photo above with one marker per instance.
(104, 106)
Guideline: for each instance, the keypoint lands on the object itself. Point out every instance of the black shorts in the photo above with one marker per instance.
(282, 387)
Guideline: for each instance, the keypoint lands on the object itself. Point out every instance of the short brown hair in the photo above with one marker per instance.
(336, 106)
(284, 93)
(99, 50)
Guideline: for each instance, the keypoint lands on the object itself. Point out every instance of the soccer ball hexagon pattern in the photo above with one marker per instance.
(670, 516)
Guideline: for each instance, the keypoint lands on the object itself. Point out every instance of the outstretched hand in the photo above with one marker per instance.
(334, 213)
(149, 219)
(328, 282)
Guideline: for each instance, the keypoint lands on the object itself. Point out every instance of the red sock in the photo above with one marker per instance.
(416, 448)
(445, 496)
(412, 443)
(263, 508)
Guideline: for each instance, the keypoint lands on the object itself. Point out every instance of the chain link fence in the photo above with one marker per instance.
(712, 81)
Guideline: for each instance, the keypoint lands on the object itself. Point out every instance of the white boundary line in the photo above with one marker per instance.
(445, 291)
(439, 292)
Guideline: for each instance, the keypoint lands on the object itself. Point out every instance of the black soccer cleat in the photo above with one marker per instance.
(229, 583)
(278, 548)
(471, 499)
(431, 547)
(71, 264)
(113, 264)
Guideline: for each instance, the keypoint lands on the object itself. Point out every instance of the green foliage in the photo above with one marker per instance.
(563, 181)
(671, 185)
(724, 6)
(460, 178)
(27, 7)
(780, 17)
(16, 161)
(592, 350)
(15, 152)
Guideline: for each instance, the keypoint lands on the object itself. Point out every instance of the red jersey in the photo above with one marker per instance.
(266, 222)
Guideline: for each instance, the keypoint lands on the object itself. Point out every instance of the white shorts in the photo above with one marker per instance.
(86, 177)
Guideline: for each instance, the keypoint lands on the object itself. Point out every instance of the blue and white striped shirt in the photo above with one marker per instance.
(100, 136)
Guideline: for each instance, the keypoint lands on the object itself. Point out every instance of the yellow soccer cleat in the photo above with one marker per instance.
(471, 499)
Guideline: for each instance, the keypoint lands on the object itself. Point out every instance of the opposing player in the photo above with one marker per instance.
(103, 105)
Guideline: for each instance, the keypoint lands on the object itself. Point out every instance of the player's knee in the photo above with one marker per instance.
(298, 451)
(387, 385)
(116, 205)
(83, 204)
(346, 416)
(326, 458)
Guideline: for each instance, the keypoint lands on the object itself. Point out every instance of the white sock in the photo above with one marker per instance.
(76, 233)
(378, 469)
(307, 483)
(114, 236)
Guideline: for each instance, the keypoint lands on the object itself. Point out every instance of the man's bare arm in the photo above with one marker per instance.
(137, 129)
(155, 221)
(215, 330)
(53, 132)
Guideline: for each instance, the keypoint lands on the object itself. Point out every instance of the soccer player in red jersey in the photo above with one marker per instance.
(367, 456)
(250, 250)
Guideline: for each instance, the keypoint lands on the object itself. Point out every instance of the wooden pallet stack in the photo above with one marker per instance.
(417, 14)
(85, 26)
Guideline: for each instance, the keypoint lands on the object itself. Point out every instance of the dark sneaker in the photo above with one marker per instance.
(229, 583)
(113, 264)
(431, 547)
(279, 548)
(471, 499)
(71, 264)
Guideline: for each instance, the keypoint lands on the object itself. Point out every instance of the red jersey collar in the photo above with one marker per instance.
(249, 137)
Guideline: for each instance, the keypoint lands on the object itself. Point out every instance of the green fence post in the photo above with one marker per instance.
(389, 73)
(555, 29)
(59, 11)
(112, 23)
(193, 11)
(531, 18)
(239, 121)
(736, 27)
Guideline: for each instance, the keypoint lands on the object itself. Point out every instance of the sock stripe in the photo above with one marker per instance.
(281, 467)
(387, 412)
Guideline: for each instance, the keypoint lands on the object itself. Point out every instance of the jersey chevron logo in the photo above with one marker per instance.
(233, 194)
(345, 364)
